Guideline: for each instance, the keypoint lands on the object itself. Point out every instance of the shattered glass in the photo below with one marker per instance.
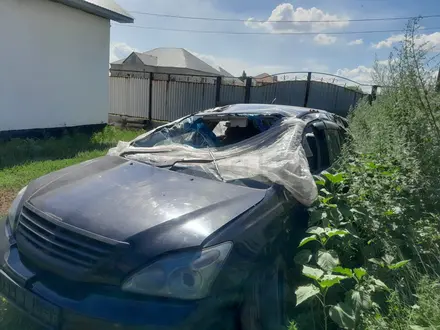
(274, 156)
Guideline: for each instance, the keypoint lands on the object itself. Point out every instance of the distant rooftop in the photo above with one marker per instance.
(262, 75)
(103, 8)
(180, 58)
(169, 57)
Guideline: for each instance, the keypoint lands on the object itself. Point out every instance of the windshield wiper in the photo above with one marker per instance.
(193, 161)
(213, 158)
(215, 163)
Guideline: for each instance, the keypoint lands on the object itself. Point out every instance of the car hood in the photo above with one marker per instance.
(135, 202)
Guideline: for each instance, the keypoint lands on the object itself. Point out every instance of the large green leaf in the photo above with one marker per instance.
(319, 180)
(307, 240)
(334, 178)
(316, 230)
(344, 271)
(343, 315)
(359, 300)
(311, 272)
(398, 264)
(303, 257)
(337, 232)
(371, 165)
(377, 262)
(325, 192)
(328, 281)
(356, 211)
(379, 284)
(327, 260)
(388, 259)
(316, 216)
(359, 273)
(305, 292)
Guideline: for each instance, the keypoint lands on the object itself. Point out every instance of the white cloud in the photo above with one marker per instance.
(431, 41)
(324, 39)
(387, 43)
(120, 50)
(355, 42)
(286, 12)
(361, 74)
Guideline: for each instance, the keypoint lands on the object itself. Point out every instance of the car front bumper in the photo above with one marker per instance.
(58, 311)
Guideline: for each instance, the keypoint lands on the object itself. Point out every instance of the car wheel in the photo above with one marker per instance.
(226, 320)
(264, 302)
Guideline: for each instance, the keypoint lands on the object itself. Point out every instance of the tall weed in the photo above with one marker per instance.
(381, 206)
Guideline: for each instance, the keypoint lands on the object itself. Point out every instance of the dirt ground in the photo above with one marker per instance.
(6, 198)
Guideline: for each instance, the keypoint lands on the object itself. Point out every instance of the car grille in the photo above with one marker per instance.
(60, 242)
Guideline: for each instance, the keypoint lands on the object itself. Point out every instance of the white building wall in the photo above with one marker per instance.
(53, 66)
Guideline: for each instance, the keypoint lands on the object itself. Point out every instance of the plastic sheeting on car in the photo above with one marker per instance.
(273, 156)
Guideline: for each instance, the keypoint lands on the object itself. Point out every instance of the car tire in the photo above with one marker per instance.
(264, 302)
(226, 320)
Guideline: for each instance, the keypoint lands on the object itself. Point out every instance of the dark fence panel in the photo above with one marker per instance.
(285, 93)
(333, 98)
(167, 100)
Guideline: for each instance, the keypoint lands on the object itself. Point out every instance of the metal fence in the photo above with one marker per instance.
(129, 97)
(175, 99)
(333, 98)
(231, 94)
(168, 100)
(285, 93)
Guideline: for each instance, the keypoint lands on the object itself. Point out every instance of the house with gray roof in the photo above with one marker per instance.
(169, 63)
(57, 75)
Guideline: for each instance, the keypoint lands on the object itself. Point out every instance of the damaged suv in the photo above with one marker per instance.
(189, 226)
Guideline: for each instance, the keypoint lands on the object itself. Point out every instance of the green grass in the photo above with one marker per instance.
(22, 160)
(70, 146)
(18, 176)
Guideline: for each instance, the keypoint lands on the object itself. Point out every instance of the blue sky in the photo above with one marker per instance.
(348, 55)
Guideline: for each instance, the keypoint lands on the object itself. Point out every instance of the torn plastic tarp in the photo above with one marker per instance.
(273, 156)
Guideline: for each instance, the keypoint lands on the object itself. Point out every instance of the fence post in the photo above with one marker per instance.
(150, 97)
(437, 86)
(306, 97)
(218, 86)
(374, 92)
(247, 92)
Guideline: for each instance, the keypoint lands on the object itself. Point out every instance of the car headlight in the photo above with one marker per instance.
(13, 210)
(185, 275)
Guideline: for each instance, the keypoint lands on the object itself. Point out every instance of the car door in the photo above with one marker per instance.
(334, 140)
(316, 146)
(323, 144)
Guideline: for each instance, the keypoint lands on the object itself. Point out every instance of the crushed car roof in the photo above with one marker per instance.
(285, 110)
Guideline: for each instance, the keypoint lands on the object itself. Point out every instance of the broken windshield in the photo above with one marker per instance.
(231, 147)
(209, 131)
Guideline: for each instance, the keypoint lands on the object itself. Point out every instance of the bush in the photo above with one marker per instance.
(372, 252)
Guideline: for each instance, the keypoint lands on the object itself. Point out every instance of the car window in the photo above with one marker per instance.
(324, 160)
(334, 142)
(209, 131)
(316, 146)
(311, 148)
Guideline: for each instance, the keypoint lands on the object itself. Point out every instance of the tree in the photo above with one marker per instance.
(243, 76)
